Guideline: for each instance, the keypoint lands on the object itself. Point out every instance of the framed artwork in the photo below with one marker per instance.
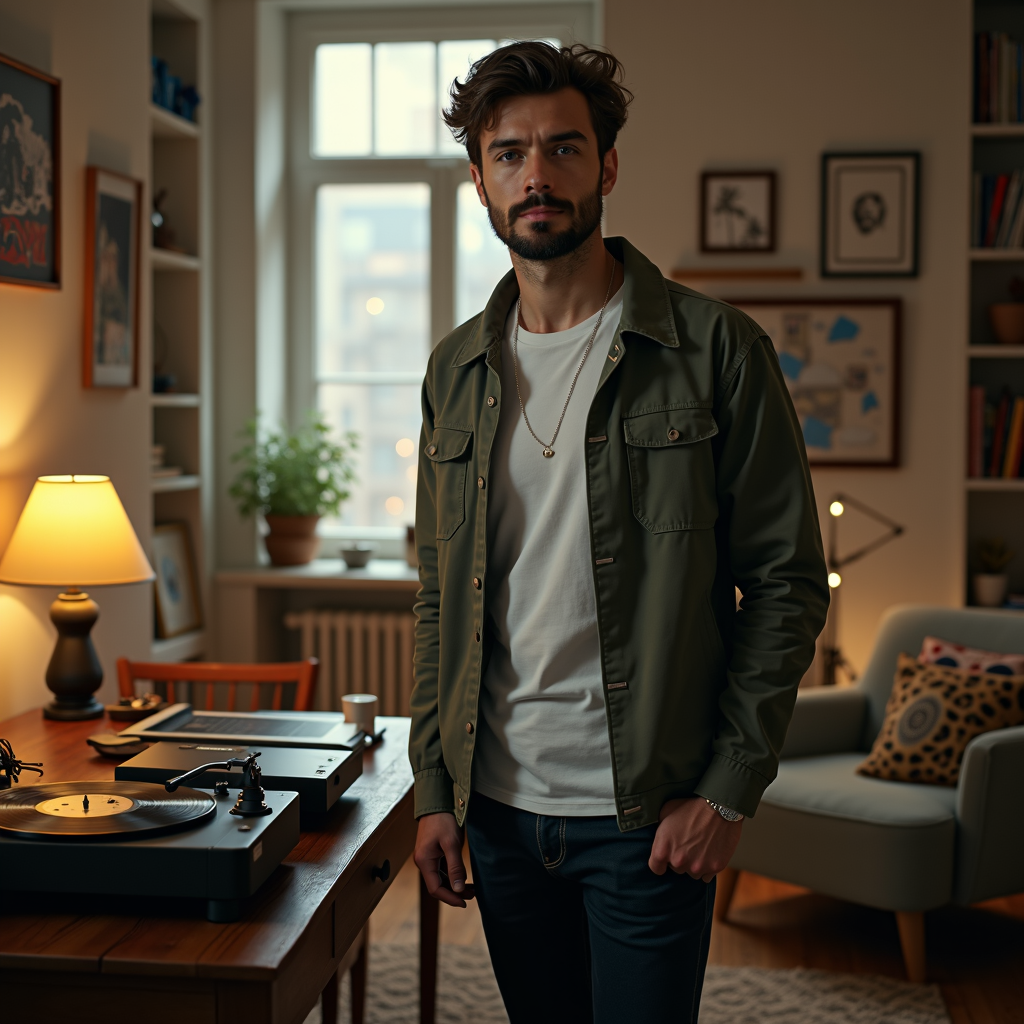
(841, 362)
(29, 176)
(869, 214)
(737, 211)
(112, 218)
(178, 608)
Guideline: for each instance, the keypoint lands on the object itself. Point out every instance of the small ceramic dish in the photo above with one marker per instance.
(356, 556)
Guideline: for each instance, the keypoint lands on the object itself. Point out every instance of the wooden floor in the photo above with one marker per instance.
(976, 955)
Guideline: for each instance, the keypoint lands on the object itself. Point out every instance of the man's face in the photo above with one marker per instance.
(539, 175)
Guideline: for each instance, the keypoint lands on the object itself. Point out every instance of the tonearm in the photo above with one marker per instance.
(251, 800)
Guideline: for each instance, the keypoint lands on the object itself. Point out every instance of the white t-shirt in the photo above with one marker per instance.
(543, 733)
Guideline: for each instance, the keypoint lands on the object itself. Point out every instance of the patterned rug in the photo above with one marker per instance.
(468, 994)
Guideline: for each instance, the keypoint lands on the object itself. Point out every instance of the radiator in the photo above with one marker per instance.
(359, 652)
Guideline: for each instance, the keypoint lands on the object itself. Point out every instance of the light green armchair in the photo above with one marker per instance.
(897, 846)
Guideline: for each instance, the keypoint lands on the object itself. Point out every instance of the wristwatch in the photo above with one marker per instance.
(726, 812)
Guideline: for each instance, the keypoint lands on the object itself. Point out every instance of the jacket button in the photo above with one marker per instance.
(480, 482)
(673, 434)
(476, 637)
(492, 401)
(432, 450)
(469, 727)
(476, 582)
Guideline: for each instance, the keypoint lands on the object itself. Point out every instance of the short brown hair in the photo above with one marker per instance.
(532, 68)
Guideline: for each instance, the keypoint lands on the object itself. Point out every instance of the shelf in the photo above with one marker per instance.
(995, 351)
(984, 255)
(998, 130)
(726, 274)
(165, 259)
(179, 648)
(165, 124)
(173, 400)
(994, 484)
(163, 484)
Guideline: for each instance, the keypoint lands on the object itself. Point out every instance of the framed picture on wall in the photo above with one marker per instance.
(869, 214)
(178, 607)
(112, 219)
(29, 176)
(841, 362)
(737, 211)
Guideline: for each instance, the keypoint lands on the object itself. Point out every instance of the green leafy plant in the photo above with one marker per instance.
(293, 474)
(994, 555)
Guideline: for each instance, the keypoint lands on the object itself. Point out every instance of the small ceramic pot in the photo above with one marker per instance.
(990, 589)
(356, 556)
(1007, 319)
(292, 539)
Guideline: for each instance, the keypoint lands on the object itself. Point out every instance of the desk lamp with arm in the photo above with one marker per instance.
(74, 532)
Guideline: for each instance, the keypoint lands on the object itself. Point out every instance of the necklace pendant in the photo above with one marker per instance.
(549, 453)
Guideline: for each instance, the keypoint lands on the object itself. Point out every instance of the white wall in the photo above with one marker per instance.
(48, 422)
(748, 84)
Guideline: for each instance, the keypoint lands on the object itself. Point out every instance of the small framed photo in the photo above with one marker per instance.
(178, 607)
(869, 214)
(29, 176)
(737, 211)
(840, 359)
(111, 348)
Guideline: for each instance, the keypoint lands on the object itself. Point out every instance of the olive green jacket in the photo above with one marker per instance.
(697, 483)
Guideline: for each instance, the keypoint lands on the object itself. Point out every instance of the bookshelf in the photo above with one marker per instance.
(180, 417)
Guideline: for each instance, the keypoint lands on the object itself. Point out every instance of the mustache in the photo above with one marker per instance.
(535, 200)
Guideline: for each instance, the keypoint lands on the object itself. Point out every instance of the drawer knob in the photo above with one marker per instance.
(383, 872)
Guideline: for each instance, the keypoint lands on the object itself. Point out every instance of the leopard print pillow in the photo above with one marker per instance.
(932, 714)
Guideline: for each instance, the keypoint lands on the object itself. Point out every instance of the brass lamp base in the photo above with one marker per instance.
(74, 673)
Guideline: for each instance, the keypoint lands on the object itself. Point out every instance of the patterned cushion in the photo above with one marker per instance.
(944, 652)
(932, 714)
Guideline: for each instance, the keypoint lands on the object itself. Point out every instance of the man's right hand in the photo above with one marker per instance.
(437, 836)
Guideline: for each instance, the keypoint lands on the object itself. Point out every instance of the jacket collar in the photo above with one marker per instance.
(646, 309)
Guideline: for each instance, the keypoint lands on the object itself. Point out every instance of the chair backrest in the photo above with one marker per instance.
(904, 627)
(209, 674)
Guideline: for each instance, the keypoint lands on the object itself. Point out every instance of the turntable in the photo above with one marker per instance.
(141, 839)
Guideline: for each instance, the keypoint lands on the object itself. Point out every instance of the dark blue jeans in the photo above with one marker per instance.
(579, 928)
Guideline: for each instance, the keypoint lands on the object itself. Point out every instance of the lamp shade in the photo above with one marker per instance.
(74, 532)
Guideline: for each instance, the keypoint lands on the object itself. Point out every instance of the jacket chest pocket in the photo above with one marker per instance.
(672, 469)
(448, 450)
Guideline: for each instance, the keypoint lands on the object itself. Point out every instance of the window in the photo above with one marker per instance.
(390, 246)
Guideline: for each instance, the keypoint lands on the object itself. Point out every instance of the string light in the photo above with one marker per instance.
(834, 579)
(836, 508)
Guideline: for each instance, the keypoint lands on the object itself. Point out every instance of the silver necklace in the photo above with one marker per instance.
(548, 449)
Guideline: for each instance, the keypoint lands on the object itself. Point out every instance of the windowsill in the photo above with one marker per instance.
(389, 541)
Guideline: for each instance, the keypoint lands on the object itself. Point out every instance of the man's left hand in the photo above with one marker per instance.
(693, 839)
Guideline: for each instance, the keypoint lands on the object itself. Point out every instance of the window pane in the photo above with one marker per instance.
(342, 101)
(405, 100)
(454, 59)
(387, 419)
(481, 260)
(372, 278)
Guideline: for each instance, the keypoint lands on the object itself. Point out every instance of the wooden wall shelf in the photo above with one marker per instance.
(727, 274)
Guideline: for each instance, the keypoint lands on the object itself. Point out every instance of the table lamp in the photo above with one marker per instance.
(74, 532)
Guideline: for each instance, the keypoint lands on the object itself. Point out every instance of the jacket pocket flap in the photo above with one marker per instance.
(447, 443)
(669, 427)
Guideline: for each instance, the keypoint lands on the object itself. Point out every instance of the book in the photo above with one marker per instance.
(1009, 210)
(995, 465)
(976, 432)
(998, 197)
(1014, 440)
(976, 212)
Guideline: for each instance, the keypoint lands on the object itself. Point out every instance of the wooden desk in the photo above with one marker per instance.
(114, 960)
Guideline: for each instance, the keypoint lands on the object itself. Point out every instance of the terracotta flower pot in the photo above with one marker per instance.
(1007, 319)
(292, 539)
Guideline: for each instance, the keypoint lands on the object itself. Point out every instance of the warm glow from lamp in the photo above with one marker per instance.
(836, 508)
(74, 531)
(834, 579)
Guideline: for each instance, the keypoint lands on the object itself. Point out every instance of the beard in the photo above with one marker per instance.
(540, 242)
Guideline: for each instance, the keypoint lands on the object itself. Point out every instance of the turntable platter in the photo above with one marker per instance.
(101, 810)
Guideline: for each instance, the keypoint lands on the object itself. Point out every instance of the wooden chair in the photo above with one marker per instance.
(209, 675)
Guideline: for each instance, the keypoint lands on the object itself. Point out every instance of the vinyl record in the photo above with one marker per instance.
(101, 810)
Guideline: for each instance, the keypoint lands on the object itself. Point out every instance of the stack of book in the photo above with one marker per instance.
(998, 75)
(995, 443)
(997, 213)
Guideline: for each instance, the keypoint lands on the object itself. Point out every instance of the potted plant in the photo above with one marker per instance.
(990, 586)
(1007, 318)
(293, 479)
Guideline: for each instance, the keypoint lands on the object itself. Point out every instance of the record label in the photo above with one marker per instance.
(91, 805)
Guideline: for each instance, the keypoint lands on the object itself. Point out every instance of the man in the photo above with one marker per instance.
(606, 456)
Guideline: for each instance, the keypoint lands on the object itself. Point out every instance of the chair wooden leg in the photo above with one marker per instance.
(329, 1001)
(358, 980)
(911, 928)
(725, 890)
(429, 919)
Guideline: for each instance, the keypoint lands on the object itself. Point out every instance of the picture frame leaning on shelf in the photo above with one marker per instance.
(178, 606)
